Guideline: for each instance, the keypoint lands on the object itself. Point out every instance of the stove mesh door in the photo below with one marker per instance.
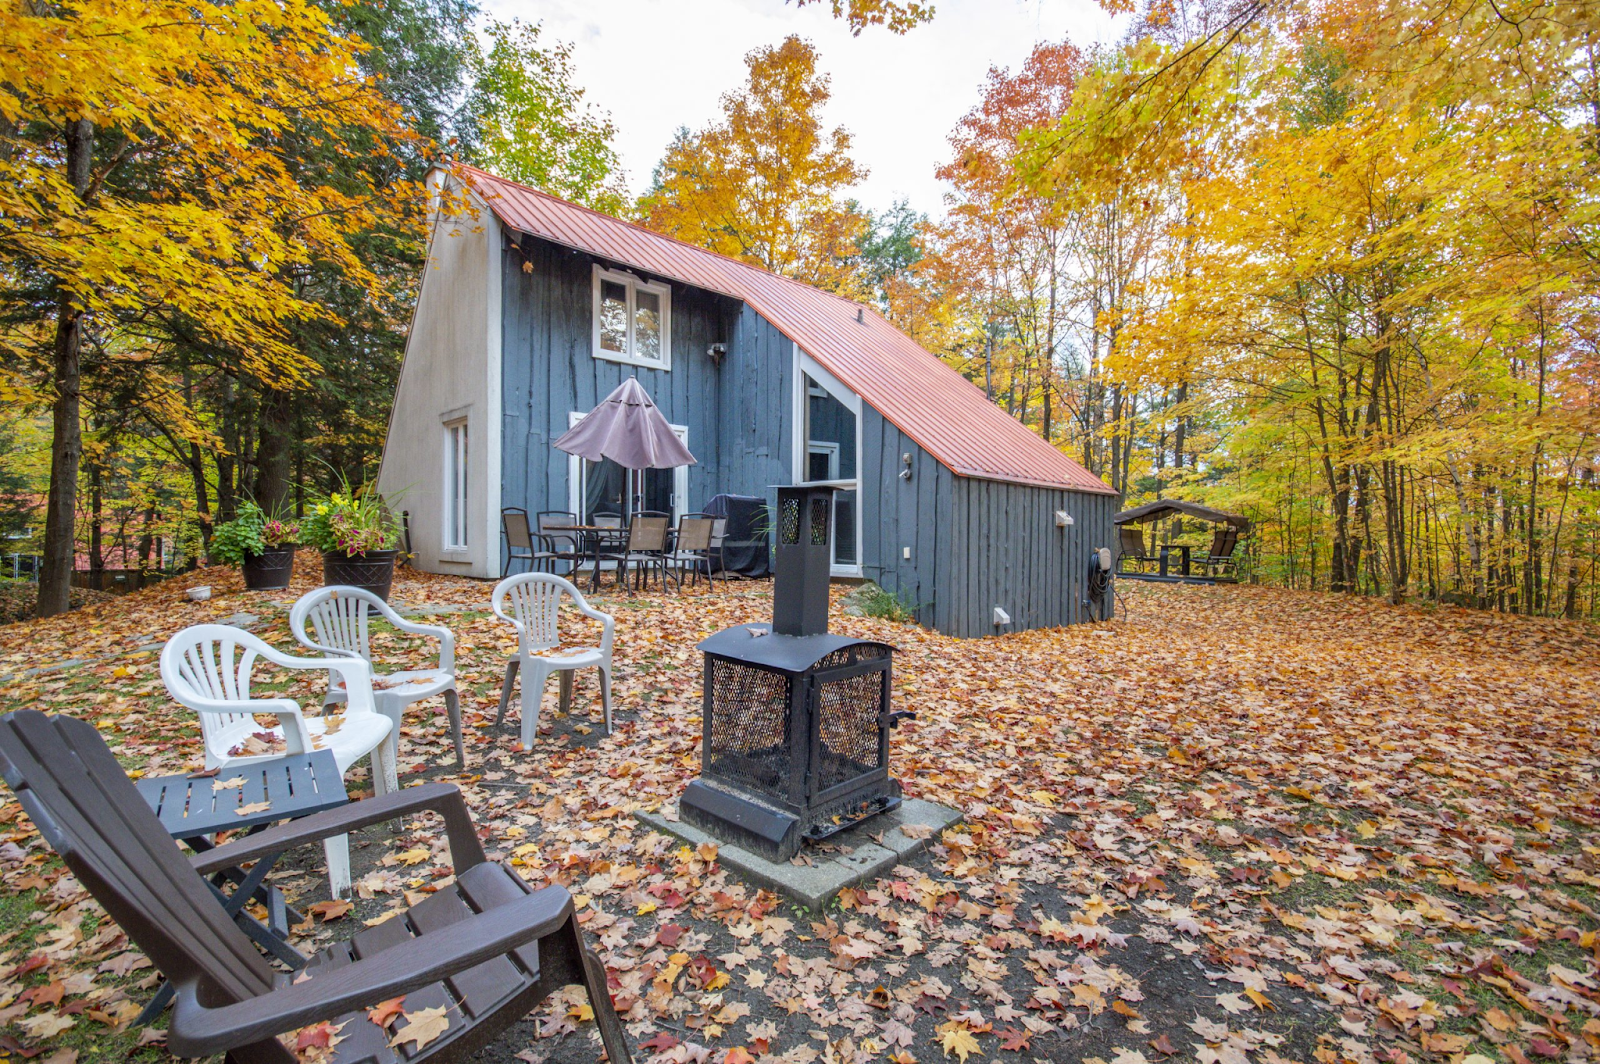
(750, 727)
(849, 722)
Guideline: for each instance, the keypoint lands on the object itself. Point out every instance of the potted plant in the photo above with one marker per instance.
(262, 545)
(358, 537)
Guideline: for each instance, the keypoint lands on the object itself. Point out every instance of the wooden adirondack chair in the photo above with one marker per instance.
(487, 948)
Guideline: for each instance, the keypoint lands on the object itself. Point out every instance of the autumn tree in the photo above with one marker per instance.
(1371, 272)
(859, 14)
(766, 183)
(131, 217)
(531, 123)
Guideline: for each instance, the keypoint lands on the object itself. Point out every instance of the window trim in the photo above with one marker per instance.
(827, 447)
(806, 366)
(634, 285)
(456, 492)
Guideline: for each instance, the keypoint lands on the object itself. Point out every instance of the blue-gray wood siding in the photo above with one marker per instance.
(738, 415)
(975, 544)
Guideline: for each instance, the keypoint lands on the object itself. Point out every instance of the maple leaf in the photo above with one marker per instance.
(250, 808)
(660, 1042)
(1013, 1039)
(738, 1055)
(331, 910)
(322, 1035)
(385, 1012)
(422, 1027)
(956, 1039)
(1233, 1003)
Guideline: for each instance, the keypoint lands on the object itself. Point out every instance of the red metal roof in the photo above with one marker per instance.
(926, 399)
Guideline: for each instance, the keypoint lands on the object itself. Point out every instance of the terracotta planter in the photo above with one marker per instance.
(372, 571)
(270, 570)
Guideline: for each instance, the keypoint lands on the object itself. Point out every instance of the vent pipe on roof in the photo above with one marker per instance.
(861, 316)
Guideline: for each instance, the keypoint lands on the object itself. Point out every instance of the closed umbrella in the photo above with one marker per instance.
(628, 428)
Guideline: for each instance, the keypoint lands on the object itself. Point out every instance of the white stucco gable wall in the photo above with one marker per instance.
(451, 373)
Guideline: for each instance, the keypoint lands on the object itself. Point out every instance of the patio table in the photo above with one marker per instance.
(596, 537)
(1167, 549)
(193, 809)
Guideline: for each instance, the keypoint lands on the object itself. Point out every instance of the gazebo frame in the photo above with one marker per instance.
(1219, 557)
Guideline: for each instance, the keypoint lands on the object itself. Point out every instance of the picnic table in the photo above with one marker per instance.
(193, 809)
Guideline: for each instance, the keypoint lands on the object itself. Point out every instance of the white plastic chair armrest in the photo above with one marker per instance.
(608, 625)
(296, 739)
(522, 633)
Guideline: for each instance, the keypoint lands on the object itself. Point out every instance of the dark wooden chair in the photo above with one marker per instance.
(1131, 539)
(487, 948)
(1220, 556)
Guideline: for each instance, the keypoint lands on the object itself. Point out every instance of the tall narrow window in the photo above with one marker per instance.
(632, 320)
(455, 485)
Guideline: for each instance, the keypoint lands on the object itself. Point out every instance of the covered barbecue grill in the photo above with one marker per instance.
(796, 721)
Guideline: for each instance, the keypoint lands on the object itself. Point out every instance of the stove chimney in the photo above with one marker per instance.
(802, 559)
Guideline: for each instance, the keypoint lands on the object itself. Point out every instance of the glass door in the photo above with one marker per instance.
(830, 434)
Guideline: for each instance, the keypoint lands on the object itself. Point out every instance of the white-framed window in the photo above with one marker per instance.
(606, 488)
(822, 458)
(632, 320)
(455, 484)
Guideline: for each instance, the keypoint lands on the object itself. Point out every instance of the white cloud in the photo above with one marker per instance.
(656, 65)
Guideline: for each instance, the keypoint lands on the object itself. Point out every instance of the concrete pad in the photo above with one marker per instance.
(875, 847)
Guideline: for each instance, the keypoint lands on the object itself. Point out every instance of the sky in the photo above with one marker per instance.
(656, 65)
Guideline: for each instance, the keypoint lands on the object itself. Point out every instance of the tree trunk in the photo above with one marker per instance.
(273, 458)
(66, 442)
(97, 553)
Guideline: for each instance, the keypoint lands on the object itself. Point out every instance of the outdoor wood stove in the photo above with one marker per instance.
(796, 721)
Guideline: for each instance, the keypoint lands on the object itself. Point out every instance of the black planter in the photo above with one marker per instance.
(270, 570)
(372, 571)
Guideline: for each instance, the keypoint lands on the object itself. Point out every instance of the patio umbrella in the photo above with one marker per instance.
(628, 428)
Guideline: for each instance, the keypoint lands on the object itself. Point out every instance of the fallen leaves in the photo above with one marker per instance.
(422, 1027)
(958, 1041)
(1364, 804)
(385, 1012)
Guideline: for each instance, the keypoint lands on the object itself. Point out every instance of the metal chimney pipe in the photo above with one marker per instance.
(802, 559)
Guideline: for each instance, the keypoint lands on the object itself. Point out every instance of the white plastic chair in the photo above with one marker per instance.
(535, 600)
(207, 668)
(339, 618)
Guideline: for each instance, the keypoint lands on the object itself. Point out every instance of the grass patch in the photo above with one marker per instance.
(885, 605)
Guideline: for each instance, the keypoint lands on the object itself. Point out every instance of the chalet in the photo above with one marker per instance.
(533, 309)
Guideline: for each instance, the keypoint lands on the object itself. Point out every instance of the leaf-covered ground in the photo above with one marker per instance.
(1241, 825)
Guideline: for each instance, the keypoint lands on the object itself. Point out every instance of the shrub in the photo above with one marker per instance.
(251, 533)
(352, 521)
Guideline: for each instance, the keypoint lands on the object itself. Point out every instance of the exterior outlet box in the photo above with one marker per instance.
(905, 552)
(1001, 617)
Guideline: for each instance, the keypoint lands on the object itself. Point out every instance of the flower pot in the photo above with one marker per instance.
(270, 570)
(372, 571)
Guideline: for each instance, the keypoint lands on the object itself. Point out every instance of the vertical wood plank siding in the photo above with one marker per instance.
(975, 544)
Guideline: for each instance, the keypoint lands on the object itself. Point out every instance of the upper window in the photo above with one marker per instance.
(632, 320)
